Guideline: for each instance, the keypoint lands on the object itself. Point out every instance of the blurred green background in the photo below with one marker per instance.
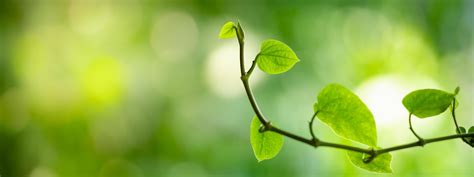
(144, 88)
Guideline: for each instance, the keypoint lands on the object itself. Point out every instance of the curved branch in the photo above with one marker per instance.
(420, 140)
(453, 114)
(244, 77)
(268, 127)
(311, 127)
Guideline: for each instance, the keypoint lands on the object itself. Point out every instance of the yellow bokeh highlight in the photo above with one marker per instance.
(102, 81)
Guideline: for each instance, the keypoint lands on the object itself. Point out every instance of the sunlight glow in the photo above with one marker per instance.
(383, 95)
(223, 72)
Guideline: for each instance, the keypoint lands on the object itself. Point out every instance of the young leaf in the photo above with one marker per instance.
(380, 164)
(265, 145)
(346, 114)
(470, 140)
(427, 102)
(227, 31)
(275, 57)
(461, 130)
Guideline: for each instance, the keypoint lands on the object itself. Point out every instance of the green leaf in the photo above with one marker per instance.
(228, 30)
(275, 57)
(380, 164)
(427, 102)
(456, 91)
(265, 145)
(461, 130)
(470, 140)
(346, 114)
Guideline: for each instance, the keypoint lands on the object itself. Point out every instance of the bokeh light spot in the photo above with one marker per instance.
(174, 35)
(103, 81)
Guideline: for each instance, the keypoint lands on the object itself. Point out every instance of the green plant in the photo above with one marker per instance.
(338, 108)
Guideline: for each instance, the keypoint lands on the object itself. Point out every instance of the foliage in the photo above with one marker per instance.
(427, 102)
(346, 114)
(275, 57)
(339, 108)
(265, 145)
(380, 164)
(227, 31)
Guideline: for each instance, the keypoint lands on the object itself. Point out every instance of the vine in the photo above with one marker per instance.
(340, 109)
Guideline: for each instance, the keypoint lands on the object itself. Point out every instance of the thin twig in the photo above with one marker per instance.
(244, 77)
(420, 140)
(313, 137)
(254, 63)
(453, 114)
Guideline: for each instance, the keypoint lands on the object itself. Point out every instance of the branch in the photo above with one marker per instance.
(453, 114)
(313, 141)
(311, 127)
(244, 77)
(420, 140)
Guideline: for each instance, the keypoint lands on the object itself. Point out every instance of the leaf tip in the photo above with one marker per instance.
(227, 30)
(456, 91)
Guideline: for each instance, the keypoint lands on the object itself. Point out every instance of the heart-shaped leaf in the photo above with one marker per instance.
(469, 140)
(275, 57)
(265, 145)
(346, 114)
(427, 102)
(461, 130)
(380, 164)
(227, 31)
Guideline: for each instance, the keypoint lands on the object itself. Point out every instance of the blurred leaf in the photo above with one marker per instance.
(461, 130)
(380, 164)
(275, 57)
(456, 91)
(227, 31)
(346, 114)
(469, 140)
(265, 145)
(427, 102)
